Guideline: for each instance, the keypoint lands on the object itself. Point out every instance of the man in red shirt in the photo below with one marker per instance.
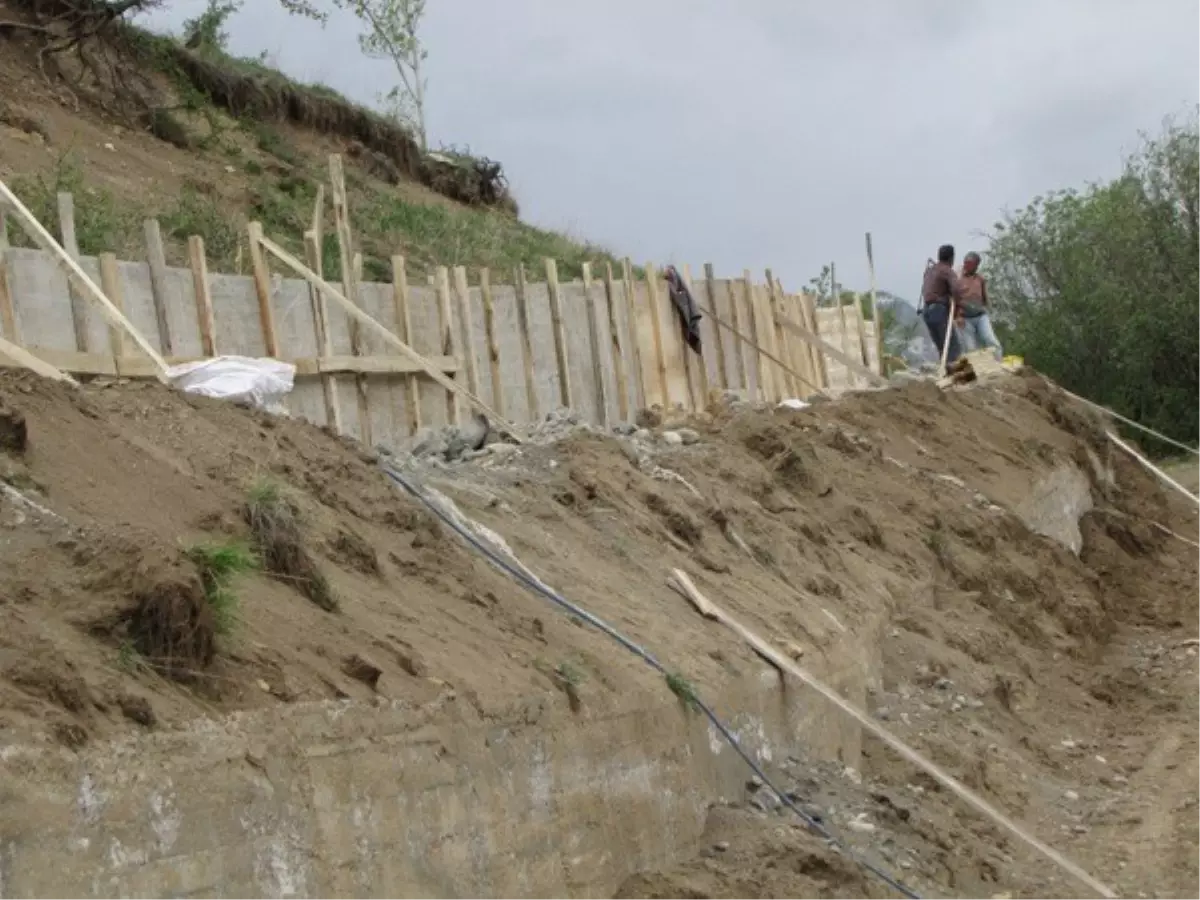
(974, 324)
(940, 288)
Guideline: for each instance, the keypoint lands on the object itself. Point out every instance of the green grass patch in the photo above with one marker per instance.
(219, 564)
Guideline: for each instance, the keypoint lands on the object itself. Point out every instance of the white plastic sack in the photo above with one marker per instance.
(263, 382)
(793, 403)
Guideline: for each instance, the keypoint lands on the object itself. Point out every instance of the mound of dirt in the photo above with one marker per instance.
(1057, 684)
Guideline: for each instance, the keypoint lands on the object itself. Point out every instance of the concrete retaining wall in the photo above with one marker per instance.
(344, 799)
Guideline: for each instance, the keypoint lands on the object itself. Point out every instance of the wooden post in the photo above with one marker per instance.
(822, 368)
(157, 258)
(446, 330)
(526, 344)
(320, 313)
(560, 335)
(782, 346)
(341, 220)
(618, 350)
(760, 329)
(110, 282)
(632, 319)
(262, 288)
(710, 288)
(696, 369)
(359, 349)
(400, 301)
(594, 347)
(70, 243)
(739, 352)
(875, 308)
(204, 309)
(660, 357)
(8, 315)
(493, 347)
(466, 326)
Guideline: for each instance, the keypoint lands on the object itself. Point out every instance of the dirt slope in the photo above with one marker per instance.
(1058, 686)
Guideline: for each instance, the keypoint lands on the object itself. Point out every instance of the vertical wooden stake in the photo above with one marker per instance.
(466, 326)
(157, 257)
(412, 393)
(810, 314)
(110, 283)
(875, 309)
(710, 290)
(560, 336)
(350, 279)
(780, 344)
(632, 319)
(526, 345)
(320, 313)
(204, 309)
(762, 371)
(8, 315)
(493, 347)
(594, 347)
(618, 351)
(696, 368)
(360, 379)
(740, 353)
(70, 243)
(446, 330)
(262, 288)
(660, 357)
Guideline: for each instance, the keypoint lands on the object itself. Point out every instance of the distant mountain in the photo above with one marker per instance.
(906, 336)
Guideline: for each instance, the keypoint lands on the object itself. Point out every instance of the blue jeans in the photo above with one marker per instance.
(976, 332)
(937, 320)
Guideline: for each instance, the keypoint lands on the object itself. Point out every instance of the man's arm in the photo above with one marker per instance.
(954, 283)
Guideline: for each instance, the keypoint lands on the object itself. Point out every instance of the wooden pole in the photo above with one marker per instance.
(400, 301)
(262, 288)
(618, 350)
(1152, 468)
(66, 228)
(204, 309)
(631, 319)
(446, 329)
(466, 327)
(942, 368)
(681, 583)
(710, 288)
(739, 354)
(156, 256)
(493, 346)
(531, 399)
(660, 357)
(386, 336)
(879, 343)
(40, 236)
(560, 336)
(697, 369)
(11, 354)
(783, 345)
(320, 313)
(110, 280)
(341, 221)
(594, 347)
(761, 380)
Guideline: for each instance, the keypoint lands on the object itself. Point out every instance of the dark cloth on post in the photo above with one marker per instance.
(685, 306)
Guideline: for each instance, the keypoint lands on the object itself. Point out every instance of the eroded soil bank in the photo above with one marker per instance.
(888, 531)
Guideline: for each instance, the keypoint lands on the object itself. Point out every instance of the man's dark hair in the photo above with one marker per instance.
(972, 256)
(946, 253)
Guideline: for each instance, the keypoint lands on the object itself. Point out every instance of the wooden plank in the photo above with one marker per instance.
(594, 347)
(740, 356)
(110, 280)
(466, 327)
(8, 315)
(430, 369)
(565, 394)
(400, 300)
(350, 281)
(324, 342)
(66, 229)
(722, 372)
(489, 331)
(262, 288)
(845, 359)
(875, 308)
(620, 364)
(446, 330)
(156, 256)
(358, 348)
(787, 382)
(204, 307)
(810, 313)
(695, 366)
(526, 345)
(660, 356)
(375, 365)
(631, 319)
(680, 582)
(40, 236)
(761, 374)
(13, 355)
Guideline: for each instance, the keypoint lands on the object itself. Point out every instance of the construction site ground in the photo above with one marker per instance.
(1061, 687)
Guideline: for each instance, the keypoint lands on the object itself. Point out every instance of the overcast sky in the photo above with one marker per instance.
(754, 133)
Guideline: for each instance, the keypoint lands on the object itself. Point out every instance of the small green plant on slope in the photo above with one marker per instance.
(274, 521)
(219, 564)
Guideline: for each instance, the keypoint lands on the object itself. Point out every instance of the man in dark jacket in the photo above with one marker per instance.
(941, 289)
